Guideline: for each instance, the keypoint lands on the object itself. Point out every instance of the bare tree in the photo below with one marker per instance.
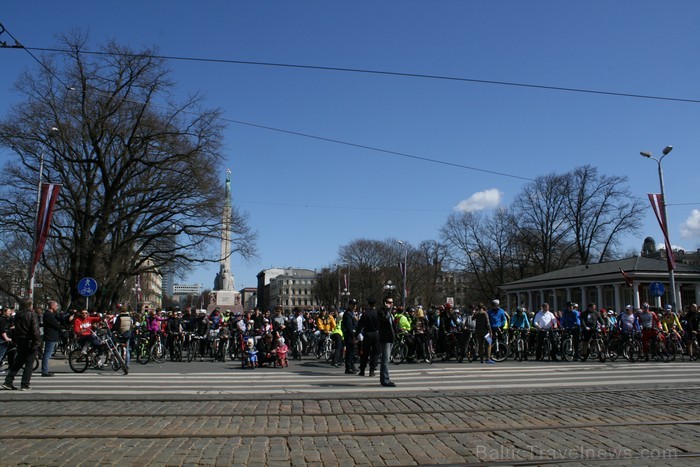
(137, 169)
(426, 266)
(326, 287)
(542, 224)
(599, 209)
(371, 263)
(482, 245)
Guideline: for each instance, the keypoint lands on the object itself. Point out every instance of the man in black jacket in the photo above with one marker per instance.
(27, 338)
(368, 327)
(387, 334)
(349, 325)
(52, 334)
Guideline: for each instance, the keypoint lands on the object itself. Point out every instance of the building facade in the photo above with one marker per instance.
(605, 285)
(289, 288)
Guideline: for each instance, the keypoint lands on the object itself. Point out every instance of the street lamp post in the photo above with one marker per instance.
(389, 288)
(671, 275)
(346, 296)
(404, 272)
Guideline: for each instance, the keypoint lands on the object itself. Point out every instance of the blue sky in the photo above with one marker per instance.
(307, 197)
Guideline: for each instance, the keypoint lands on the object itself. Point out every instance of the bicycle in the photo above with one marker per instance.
(632, 346)
(142, 350)
(545, 351)
(399, 350)
(193, 348)
(520, 345)
(177, 348)
(499, 346)
(98, 356)
(659, 349)
(9, 356)
(157, 350)
(325, 348)
(566, 347)
(596, 348)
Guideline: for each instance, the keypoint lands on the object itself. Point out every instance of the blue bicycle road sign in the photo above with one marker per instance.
(87, 286)
(656, 289)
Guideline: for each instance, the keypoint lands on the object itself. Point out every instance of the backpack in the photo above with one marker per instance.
(124, 324)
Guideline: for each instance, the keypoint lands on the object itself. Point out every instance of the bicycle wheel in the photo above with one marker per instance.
(613, 350)
(78, 361)
(631, 351)
(328, 350)
(471, 351)
(177, 351)
(664, 351)
(499, 351)
(118, 363)
(398, 353)
(192, 350)
(223, 350)
(460, 351)
(519, 350)
(546, 349)
(143, 354)
(600, 350)
(158, 352)
(567, 350)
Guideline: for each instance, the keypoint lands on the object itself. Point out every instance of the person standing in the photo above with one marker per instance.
(571, 323)
(337, 336)
(386, 340)
(368, 327)
(27, 337)
(544, 323)
(5, 332)
(482, 327)
(349, 326)
(124, 328)
(52, 334)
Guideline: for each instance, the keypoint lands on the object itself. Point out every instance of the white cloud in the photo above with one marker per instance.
(691, 226)
(487, 199)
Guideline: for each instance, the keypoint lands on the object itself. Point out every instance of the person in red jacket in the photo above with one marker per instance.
(82, 327)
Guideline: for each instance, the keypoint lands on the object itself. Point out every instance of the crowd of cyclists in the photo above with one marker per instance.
(441, 333)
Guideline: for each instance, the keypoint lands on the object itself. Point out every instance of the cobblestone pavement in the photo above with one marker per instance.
(637, 425)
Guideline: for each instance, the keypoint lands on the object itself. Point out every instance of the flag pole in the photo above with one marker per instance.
(35, 240)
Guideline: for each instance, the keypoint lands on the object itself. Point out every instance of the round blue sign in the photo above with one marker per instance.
(87, 286)
(656, 289)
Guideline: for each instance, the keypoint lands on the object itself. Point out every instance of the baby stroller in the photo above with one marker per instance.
(282, 350)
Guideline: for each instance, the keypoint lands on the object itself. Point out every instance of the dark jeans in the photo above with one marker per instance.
(349, 354)
(3, 349)
(49, 347)
(25, 357)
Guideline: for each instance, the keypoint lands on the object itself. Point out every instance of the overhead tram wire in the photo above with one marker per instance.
(391, 73)
(289, 132)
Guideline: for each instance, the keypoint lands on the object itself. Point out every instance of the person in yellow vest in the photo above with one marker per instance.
(337, 336)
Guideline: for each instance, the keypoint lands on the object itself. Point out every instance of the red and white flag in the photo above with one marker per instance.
(628, 280)
(657, 203)
(47, 201)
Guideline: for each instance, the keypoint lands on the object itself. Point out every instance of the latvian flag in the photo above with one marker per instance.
(47, 201)
(657, 203)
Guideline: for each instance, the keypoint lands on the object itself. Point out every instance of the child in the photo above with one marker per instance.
(252, 354)
(282, 350)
